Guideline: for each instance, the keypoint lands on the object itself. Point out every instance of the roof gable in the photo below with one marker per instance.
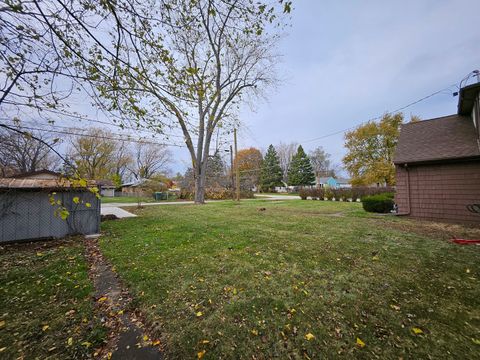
(445, 138)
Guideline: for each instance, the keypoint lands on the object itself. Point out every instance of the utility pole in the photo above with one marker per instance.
(231, 172)
(237, 171)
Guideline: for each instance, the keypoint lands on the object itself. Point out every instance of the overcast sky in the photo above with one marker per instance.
(345, 62)
(348, 61)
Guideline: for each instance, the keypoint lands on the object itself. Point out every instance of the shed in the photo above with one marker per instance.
(31, 209)
(106, 187)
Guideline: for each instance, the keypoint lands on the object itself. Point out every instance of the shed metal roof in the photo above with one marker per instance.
(47, 184)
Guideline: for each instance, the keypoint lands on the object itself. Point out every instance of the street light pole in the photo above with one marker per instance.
(231, 172)
(237, 172)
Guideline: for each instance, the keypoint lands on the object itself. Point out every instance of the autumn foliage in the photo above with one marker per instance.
(371, 147)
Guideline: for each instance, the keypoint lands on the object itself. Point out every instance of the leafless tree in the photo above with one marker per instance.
(195, 67)
(160, 63)
(97, 155)
(321, 163)
(285, 153)
(149, 160)
(122, 160)
(21, 153)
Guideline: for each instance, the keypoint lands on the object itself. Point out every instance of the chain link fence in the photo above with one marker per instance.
(30, 214)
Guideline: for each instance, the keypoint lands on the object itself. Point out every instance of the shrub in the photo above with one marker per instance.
(303, 193)
(328, 193)
(217, 194)
(380, 203)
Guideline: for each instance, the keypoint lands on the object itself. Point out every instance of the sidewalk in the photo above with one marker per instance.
(115, 208)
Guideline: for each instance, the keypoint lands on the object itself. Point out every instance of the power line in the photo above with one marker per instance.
(121, 126)
(98, 136)
(380, 116)
(129, 139)
(31, 123)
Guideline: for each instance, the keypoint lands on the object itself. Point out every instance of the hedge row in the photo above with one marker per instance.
(217, 194)
(355, 193)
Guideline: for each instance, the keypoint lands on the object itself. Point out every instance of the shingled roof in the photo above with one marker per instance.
(445, 138)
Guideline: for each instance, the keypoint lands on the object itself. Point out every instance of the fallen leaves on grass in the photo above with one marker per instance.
(2, 324)
(102, 299)
(199, 313)
(360, 343)
(417, 331)
(45, 327)
(200, 354)
(309, 336)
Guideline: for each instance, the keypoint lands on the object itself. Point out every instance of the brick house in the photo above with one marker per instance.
(437, 164)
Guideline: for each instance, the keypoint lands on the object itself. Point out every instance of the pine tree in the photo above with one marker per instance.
(301, 171)
(271, 175)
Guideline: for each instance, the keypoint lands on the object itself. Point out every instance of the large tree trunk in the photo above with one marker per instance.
(200, 181)
(201, 171)
(199, 185)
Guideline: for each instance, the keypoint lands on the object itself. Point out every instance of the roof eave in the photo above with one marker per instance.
(466, 98)
(437, 161)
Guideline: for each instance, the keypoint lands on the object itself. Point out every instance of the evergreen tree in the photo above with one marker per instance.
(301, 171)
(271, 174)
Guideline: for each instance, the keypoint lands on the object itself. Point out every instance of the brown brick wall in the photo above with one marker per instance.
(440, 192)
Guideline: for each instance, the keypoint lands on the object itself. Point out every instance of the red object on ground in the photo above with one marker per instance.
(465, 242)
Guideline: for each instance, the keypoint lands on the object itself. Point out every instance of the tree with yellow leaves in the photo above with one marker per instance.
(370, 150)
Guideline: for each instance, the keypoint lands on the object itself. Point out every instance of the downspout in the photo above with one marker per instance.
(408, 192)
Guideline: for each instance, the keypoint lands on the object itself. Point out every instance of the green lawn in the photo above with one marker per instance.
(134, 200)
(126, 199)
(45, 301)
(300, 279)
(278, 193)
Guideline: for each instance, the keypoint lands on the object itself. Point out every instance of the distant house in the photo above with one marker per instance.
(29, 208)
(438, 164)
(133, 187)
(142, 187)
(332, 182)
(106, 188)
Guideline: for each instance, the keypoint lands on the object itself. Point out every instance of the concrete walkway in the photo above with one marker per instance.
(115, 210)
(129, 338)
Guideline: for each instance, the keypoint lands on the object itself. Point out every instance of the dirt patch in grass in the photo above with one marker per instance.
(443, 231)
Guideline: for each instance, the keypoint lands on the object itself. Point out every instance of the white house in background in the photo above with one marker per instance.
(332, 182)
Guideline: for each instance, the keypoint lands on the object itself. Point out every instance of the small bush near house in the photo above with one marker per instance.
(358, 192)
(381, 203)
